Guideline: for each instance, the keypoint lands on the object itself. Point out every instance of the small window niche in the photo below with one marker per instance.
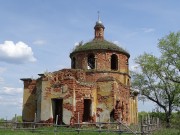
(73, 63)
(91, 61)
(114, 62)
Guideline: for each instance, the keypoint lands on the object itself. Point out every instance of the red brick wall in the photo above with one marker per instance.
(103, 60)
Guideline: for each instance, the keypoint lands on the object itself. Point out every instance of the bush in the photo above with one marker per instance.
(175, 120)
(19, 118)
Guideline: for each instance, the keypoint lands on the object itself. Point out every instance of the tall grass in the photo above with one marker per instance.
(166, 131)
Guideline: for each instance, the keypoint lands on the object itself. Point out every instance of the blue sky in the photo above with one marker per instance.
(37, 36)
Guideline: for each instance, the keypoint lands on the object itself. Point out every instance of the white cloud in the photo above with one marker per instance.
(118, 43)
(39, 42)
(11, 101)
(76, 44)
(11, 96)
(148, 30)
(134, 67)
(16, 53)
(2, 70)
(79, 43)
(1, 80)
(11, 91)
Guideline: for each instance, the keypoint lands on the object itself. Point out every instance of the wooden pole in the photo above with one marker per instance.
(15, 121)
(15, 117)
(6, 121)
(34, 120)
(142, 126)
(146, 124)
(157, 123)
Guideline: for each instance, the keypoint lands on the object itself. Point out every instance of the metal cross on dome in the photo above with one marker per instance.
(98, 15)
(99, 21)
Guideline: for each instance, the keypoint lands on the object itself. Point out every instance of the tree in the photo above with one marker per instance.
(17, 118)
(170, 49)
(159, 77)
(1, 119)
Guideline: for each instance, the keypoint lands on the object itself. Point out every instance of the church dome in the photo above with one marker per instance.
(99, 45)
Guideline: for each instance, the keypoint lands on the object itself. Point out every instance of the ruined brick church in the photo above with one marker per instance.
(96, 87)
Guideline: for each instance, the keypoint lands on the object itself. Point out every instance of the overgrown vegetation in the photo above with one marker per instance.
(158, 78)
(166, 131)
(175, 118)
(98, 45)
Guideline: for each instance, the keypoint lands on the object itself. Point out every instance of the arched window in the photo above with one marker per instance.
(128, 83)
(127, 65)
(73, 63)
(114, 62)
(91, 61)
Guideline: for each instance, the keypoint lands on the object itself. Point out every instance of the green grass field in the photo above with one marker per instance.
(49, 132)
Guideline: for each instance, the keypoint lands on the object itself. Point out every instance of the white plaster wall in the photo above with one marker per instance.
(46, 105)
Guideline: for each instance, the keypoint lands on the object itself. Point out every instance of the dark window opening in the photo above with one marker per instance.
(128, 83)
(118, 104)
(112, 114)
(123, 108)
(127, 63)
(73, 63)
(117, 110)
(87, 110)
(91, 61)
(57, 107)
(114, 62)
